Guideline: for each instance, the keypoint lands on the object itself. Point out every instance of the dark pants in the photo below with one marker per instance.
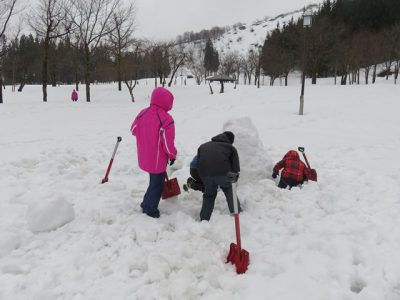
(284, 182)
(211, 184)
(195, 181)
(153, 195)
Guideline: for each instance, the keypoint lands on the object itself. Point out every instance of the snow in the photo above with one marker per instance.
(255, 163)
(331, 239)
(47, 216)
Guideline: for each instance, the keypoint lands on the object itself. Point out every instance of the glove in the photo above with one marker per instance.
(171, 162)
(274, 175)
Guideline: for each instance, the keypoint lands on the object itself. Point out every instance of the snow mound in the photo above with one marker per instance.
(255, 163)
(49, 215)
(9, 242)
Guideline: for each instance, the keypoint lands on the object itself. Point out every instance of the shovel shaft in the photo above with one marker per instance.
(305, 158)
(119, 139)
(237, 227)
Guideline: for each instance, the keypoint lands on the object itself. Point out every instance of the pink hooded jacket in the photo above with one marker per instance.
(155, 133)
(74, 95)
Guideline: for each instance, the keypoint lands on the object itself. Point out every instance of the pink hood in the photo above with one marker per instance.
(162, 98)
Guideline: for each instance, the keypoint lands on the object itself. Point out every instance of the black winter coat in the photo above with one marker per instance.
(218, 157)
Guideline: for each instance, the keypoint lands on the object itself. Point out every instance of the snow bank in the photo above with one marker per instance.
(49, 215)
(255, 163)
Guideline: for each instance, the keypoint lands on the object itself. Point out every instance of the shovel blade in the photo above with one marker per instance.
(312, 175)
(240, 258)
(242, 262)
(233, 249)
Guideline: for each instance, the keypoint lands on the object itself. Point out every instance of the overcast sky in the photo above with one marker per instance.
(165, 19)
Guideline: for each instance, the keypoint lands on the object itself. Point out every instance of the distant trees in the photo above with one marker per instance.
(49, 20)
(76, 41)
(92, 21)
(196, 64)
(120, 36)
(178, 56)
(7, 8)
(346, 37)
(230, 63)
(211, 58)
(159, 61)
(213, 34)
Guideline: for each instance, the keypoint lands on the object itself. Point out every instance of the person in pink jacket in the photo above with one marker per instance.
(155, 134)
(74, 96)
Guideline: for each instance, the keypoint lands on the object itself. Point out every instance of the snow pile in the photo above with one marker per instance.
(255, 163)
(49, 215)
(8, 242)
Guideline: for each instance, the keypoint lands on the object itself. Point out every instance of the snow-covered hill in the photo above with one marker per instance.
(241, 38)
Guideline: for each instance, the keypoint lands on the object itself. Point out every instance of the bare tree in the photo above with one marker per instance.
(92, 21)
(196, 65)
(132, 63)
(229, 63)
(49, 20)
(178, 56)
(7, 9)
(159, 59)
(123, 20)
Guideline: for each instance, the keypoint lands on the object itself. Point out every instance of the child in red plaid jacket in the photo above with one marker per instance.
(294, 172)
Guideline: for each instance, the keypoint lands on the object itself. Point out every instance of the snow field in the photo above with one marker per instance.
(334, 239)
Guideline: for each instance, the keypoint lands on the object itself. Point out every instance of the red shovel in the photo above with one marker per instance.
(313, 173)
(105, 179)
(237, 256)
(171, 188)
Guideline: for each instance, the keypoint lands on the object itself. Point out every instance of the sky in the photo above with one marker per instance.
(161, 19)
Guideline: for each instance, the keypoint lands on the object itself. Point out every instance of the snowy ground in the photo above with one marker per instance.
(335, 239)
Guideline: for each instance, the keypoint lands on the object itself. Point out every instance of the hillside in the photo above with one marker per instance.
(244, 36)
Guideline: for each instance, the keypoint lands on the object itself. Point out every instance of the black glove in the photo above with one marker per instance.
(274, 175)
(171, 162)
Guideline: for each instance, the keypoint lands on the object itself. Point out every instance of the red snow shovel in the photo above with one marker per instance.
(312, 172)
(105, 179)
(171, 188)
(237, 256)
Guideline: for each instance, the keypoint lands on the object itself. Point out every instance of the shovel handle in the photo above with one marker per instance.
(119, 139)
(301, 149)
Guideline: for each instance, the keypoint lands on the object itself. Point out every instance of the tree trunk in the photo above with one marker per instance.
(396, 71)
(76, 82)
(314, 75)
(23, 82)
(374, 75)
(44, 69)
(119, 72)
(343, 80)
(87, 72)
(222, 87)
(211, 90)
(53, 79)
(175, 70)
(366, 73)
(388, 69)
(286, 79)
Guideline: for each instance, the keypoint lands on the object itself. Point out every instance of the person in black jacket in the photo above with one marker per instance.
(215, 160)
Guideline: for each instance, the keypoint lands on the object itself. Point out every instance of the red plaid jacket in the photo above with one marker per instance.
(293, 167)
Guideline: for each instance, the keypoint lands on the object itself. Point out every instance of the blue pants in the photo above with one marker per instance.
(211, 184)
(153, 195)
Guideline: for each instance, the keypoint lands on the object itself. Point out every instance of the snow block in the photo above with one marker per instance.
(49, 215)
(255, 163)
